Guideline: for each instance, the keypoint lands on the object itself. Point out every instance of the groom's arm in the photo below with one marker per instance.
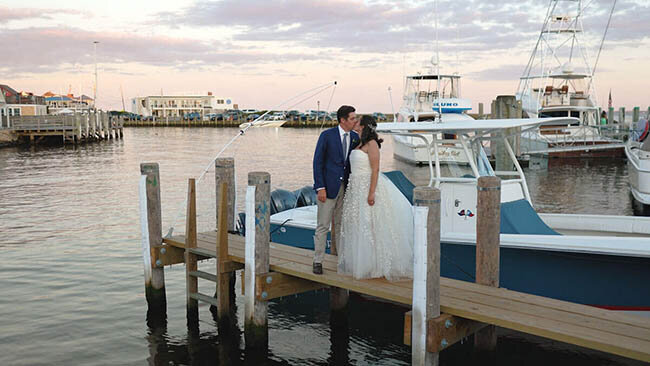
(319, 163)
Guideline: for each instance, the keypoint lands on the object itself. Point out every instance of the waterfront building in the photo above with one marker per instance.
(67, 104)
(21, 103)
(161, 106)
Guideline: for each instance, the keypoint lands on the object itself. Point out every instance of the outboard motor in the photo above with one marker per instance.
(282, 200)
(306, 196)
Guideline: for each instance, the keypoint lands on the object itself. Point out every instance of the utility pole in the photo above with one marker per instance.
(95, 91)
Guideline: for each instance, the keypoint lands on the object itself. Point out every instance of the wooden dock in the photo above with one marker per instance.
(444, 310)
(581, 325)
(75, 129)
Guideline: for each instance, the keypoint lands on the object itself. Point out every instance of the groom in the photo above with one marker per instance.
(331, 172)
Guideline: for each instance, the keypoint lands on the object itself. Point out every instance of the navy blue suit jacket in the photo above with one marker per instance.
(330, 168)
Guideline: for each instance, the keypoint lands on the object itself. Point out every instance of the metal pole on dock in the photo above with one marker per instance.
(426, 271)
(488, 228)
(151, 223)
(258, 224)
(225, 185)
(191, 260)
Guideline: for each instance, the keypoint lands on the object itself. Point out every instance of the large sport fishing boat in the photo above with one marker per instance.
(558, 82)
(436, 98)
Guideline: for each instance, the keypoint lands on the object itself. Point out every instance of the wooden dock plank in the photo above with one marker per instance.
(577, 324)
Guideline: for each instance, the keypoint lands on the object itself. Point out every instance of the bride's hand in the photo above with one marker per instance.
(371, 199)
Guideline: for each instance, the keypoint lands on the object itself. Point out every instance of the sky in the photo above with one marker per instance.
(260, 53)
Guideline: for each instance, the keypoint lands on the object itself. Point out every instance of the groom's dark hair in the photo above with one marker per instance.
(343, 112)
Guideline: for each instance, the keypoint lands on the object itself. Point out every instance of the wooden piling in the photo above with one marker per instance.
(480, 110)
(258, 223)
(621, 116)
(224, 169)
(225, 276)
(610, 115)
(488, 227)
(225, 292)
(635, 114)
(426, 276)
(191, 260)
(506, 106)
(151, 222)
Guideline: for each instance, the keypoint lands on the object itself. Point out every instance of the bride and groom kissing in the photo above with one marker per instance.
(371, 221)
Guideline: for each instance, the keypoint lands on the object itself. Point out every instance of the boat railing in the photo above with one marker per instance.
(572, 136)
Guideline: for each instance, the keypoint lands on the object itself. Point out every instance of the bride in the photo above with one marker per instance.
(377, 220)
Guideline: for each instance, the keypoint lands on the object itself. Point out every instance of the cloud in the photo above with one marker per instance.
(40, 50)
(12, 14)
(500, 73)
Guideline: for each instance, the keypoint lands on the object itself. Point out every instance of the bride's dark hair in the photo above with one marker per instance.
(369, 124)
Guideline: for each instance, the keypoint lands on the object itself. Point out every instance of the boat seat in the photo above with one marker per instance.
(402, 183)
(519, 217)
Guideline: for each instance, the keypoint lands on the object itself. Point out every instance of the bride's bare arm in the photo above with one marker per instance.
(373, 155)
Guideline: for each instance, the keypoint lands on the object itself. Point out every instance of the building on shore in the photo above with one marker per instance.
(21, 103)
(161, 106)
(67, 104)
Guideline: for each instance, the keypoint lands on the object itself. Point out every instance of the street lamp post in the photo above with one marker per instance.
(95, 91)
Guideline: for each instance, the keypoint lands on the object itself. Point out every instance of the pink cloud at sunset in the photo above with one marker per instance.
(261, 52)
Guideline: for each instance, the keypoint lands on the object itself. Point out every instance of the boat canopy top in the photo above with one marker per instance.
(479, 126)
(432, 77)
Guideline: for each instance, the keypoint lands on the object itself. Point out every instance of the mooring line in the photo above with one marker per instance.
(241, 132)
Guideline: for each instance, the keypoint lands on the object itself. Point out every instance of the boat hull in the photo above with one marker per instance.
(638, 166)
(568, 276)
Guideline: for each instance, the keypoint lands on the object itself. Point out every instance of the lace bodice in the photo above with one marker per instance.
(359, 163)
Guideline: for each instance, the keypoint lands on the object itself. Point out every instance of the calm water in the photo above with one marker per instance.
(71, 272)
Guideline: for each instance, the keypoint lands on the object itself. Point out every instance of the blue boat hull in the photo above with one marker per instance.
(614, 282)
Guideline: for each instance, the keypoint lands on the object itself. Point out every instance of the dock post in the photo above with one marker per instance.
(151, 223)
(258, 224)
(505, 106)
(191, 260)
(610, 115)
(621, 116)
(480, 110)
(426, 271)
(488, 227)
(635, 114)
(224, 170)
(225, 185)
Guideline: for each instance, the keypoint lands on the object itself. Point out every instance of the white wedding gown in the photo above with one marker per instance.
(376, 241)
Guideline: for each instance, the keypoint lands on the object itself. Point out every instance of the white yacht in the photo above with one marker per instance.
(558, 82)
(431, 97)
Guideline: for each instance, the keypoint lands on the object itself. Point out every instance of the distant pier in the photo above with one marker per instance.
(70, 129)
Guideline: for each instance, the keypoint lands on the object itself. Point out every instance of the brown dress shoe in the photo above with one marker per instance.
(318, 268)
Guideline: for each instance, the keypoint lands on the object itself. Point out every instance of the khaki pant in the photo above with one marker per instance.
(329, 212)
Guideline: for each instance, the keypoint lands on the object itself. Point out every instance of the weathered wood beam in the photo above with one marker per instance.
(443, 331)
(273, 285)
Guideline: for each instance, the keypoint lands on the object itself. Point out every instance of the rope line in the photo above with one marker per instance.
(240, 133)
